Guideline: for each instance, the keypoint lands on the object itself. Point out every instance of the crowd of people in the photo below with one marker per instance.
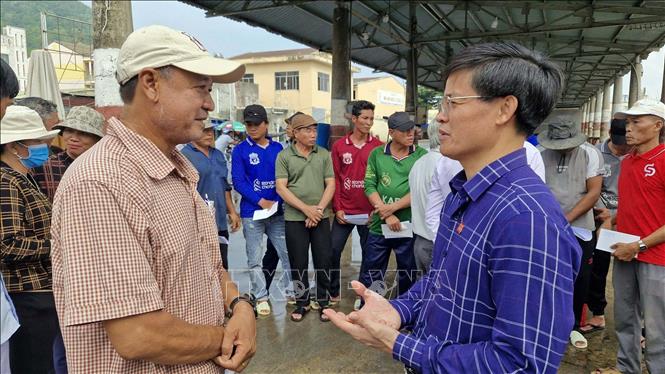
(115, 233)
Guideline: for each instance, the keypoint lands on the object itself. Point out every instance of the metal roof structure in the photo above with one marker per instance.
(593, 41)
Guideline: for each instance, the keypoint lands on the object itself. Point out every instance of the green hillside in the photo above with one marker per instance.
(25, 14)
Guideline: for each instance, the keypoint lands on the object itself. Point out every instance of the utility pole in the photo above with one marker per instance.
(111, 24)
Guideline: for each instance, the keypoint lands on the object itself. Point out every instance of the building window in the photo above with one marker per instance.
(249, 78)
(324, 82)
(287, 80)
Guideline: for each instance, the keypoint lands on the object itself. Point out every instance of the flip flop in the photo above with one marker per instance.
(589, 328)
(606, 371)
(263, 308)
(578, 340)
(323, 317)
(302, 311)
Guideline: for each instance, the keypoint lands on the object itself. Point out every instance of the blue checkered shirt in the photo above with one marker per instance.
(499, 295)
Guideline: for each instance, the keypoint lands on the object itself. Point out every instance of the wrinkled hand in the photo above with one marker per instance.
(602, 214)
(625, 251)
(393, 223)
(314, 213)
(376, 324)
(240, 332)
(266, 204)
(339, 216)
(234, 220)
(384, 210)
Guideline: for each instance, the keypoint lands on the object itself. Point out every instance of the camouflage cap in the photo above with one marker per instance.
(85, 119)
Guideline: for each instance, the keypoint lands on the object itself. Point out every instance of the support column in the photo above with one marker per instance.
(606, 115)
(341, 71)
(597, 115)
(617, 101)
(662, 92)
(585, 117)
(111, 24)
(412, 65)
(592, 114)
(635, 91)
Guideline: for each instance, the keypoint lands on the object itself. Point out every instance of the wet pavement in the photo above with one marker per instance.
(312, 346)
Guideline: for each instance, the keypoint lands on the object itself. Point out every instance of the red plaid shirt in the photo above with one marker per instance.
(49, 175)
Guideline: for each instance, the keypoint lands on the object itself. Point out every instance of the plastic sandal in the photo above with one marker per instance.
(263, 308)
(299, 310)
(578, 340)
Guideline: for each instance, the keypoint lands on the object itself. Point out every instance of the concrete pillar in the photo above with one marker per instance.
(111, 24)
(341, 72)
(606, 115)
(662, 92)
(635, 91)
(597, 114)
(617, 101)
(592, 115)
(585, 117)
(412, 65)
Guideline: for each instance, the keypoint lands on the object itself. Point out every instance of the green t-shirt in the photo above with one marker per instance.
(306, 177)
(390, 178)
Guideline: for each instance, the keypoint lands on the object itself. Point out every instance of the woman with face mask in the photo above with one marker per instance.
(25, 247)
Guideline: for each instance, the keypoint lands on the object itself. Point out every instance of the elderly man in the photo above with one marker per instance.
(82, 129)
(573, 170)
(639, 273)
(497, 296)
(48, 111)
(129, 218)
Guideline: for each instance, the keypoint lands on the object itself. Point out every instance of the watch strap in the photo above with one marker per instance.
(643, 247)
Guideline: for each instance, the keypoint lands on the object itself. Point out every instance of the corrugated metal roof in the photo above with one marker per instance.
(594, 42)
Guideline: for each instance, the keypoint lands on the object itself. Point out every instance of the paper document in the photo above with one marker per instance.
(607, 238)
(223, 240)
(265, 213)
(356, 219)
(406, 232)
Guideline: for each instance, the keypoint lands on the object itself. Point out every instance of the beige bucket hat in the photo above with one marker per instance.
(23, 123)
(83, 118)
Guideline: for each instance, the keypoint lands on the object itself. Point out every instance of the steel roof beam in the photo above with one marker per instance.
(581, 8)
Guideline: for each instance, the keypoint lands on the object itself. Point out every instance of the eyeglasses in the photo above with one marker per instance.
(448, 101)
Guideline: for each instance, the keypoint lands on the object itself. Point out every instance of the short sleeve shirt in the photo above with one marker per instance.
(131, 235)
(305, 177)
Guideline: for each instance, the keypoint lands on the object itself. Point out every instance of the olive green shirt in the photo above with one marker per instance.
(305, 177)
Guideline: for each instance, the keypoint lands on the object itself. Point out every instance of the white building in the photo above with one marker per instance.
(13, 49)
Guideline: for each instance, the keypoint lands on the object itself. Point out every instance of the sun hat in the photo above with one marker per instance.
(85, 119)
(23, 123)
(301, 120)
(561, 135)
(644, 107)
(158, 46)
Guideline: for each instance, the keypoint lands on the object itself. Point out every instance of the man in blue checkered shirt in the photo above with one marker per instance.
(499, 295)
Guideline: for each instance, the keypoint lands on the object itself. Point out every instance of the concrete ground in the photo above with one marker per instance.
(311, 346)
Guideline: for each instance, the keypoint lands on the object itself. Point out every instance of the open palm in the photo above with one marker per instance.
(376, 307)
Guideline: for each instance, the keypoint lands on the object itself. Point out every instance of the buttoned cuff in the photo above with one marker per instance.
(405, 310)
(409, 351)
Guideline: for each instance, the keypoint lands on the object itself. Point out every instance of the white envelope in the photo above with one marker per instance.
(265, 213)
(406, 232)
(356, 219)
(608, 238)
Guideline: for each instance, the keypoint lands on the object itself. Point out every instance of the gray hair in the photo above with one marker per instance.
(508, 68)
(433, 134)
(43, 107)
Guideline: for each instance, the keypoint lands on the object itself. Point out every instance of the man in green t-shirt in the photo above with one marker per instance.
(387, 188)
(305, 181)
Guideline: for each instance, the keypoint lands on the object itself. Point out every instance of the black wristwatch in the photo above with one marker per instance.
(248, 299)
(643, 247)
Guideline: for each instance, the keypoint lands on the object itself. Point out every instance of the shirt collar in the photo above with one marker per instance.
(294, 150)
(486, 177)
(253, 143)
(153, 161)
(660, 148)
(347, 138)
(386, 148)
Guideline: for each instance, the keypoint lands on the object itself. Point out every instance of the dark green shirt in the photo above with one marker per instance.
(390, 178)
(305, 177)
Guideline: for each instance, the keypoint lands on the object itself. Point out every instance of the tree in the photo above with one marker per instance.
(428, 98)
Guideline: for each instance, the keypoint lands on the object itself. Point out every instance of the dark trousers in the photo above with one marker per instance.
(31, 346)
(340, 234)
(224, 249)
(377, 254)
(298, 240)
(596, 296)
(59, 357)
(583, 277)
(269, 263)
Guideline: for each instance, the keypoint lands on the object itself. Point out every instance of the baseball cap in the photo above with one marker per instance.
(400, 121)
(644, 107)
(85, 119)
(158, 46)
(618, 131)
(255, 114)
(301, 120)
(23, 123)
